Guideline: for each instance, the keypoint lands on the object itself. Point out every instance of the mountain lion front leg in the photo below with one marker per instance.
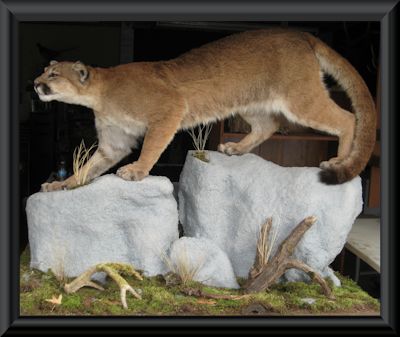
(103, 159)
(156, 140)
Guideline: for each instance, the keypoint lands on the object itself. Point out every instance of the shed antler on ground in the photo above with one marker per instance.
(114, 270)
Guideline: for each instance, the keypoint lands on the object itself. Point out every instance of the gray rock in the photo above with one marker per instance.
(228, 199)
(108, 220)
(204, 260)
(308, 300)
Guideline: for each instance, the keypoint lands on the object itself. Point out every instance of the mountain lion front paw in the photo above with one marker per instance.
(54, 186)
(59, 185)
(132, 172)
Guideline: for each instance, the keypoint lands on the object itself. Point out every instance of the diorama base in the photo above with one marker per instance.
(159, 297)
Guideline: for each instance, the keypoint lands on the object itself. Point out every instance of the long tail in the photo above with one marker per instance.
(363, 105)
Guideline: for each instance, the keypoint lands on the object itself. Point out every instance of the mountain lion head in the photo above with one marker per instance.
(62, 81)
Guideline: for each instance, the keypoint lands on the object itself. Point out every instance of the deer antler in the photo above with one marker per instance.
(111, 269)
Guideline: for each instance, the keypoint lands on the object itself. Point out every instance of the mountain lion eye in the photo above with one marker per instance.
(52, 75)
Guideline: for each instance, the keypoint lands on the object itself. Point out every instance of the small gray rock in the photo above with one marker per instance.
(204, 260)
(108, 220)
(308, 300)
(25, 277)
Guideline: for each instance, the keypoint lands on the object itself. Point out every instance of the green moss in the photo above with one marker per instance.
(272, 300)
(72, 301)
(202, 155)
(158, 299)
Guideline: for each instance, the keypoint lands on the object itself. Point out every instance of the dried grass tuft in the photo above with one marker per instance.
(81, 157)
(182, 267)
(200, 140)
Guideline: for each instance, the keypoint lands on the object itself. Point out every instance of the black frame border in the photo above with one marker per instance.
(14, 11)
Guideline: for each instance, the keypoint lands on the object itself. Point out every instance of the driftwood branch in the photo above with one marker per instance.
(114, 270)
(312, 274)
(266, 272)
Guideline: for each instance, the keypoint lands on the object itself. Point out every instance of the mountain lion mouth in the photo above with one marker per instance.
(43, 89)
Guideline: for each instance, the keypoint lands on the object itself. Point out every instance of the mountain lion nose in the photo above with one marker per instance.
(42, 88)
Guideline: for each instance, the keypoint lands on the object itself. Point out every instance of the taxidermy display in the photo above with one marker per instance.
(261, 75)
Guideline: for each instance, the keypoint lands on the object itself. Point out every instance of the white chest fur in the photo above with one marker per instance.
(127, 124)
(120, 132)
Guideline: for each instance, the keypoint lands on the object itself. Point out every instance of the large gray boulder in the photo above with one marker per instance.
(108, 220)
(229, 198)
(204, 261)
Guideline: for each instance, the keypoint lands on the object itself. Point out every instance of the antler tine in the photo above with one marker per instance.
(124, 289)
(83, 280)
(94, 285)
(121, 282)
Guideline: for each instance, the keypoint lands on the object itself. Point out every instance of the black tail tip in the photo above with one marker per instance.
(329, 177)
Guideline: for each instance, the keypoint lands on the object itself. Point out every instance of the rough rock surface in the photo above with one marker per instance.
(205, 260)
(108, 220)
(228, 199)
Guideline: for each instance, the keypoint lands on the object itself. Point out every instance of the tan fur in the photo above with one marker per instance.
(259, 74)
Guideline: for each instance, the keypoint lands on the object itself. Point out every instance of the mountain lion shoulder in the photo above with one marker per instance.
(260, 75)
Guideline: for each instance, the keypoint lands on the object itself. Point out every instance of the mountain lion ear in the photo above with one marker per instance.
(53, 62)
(82, 70)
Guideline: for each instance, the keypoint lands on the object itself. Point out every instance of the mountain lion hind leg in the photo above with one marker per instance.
(325, 115)
(263, 125)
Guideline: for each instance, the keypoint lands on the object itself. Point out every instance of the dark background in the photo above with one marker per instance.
(50, 132)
